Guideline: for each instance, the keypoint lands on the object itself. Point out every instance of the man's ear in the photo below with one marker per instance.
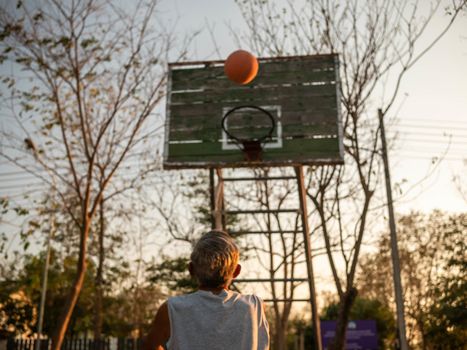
(237, 270)
(191, 269)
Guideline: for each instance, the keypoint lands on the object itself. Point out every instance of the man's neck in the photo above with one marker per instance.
(217, 290)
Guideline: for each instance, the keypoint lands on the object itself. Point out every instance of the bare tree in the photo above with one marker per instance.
(87, 77)
(126, 188)
(377, 42)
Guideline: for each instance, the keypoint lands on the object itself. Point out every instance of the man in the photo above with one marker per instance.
(214, 317)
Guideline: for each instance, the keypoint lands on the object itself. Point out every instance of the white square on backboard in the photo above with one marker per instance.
(276, 142)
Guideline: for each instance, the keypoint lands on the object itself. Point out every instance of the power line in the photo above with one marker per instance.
(433, 120)
(37, 186)
(429, 158)
(413, 124)
(417, 120)
(420, 147)
(435, 141)
(430, 126)
(438, 134)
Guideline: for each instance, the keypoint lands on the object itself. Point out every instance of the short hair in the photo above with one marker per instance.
(214, 259)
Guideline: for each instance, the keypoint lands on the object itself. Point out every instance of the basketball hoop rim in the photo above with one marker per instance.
(261, 139)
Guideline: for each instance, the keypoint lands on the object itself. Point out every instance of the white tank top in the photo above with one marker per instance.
(226, 321)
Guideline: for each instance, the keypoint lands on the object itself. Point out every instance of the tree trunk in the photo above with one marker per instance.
(421, 327)
(343, 319)
(67, 310)
(279, 337)
(99, 277)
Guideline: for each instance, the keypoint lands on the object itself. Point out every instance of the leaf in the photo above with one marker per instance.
(24, 60)
(49, 126)
(34, 224)
(21, 211)
(46, 41)
(88, 42)
(38, 17)
(4, 202)
(64, 41)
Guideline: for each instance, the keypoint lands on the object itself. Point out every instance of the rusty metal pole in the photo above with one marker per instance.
(309, 262)
(217, 200)
(212, 197)
(220, 205)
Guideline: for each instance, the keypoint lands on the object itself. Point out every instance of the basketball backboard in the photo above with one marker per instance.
(300, 94)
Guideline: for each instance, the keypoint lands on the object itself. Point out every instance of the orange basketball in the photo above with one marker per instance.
(241, 67)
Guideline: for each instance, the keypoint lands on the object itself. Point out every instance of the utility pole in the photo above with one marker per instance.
(32, 147)
(44, 281)
(394, 250)
(309, 263)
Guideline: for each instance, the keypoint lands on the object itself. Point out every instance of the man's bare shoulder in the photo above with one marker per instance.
(159, 333)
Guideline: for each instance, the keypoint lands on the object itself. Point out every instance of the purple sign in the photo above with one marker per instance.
(361, 334)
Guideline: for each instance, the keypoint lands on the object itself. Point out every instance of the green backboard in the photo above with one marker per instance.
(301, 94)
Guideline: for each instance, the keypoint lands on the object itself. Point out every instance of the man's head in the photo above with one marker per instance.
(214, 260)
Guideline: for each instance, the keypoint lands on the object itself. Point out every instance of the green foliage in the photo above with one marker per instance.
(21, 294)
(433, 259)
(447, 317)
(300, 330)
(368, 309)
(131, 311)
(173, 273)
(60, 277)
(16, 311)
(197, 191)
(128, 308)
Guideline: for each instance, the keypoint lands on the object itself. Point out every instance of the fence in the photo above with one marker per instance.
(78, 344)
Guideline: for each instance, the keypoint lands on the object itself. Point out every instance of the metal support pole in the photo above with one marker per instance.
(220, 200)
(394, 249)
(217, 200)
(309, 263)
(212, 192)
